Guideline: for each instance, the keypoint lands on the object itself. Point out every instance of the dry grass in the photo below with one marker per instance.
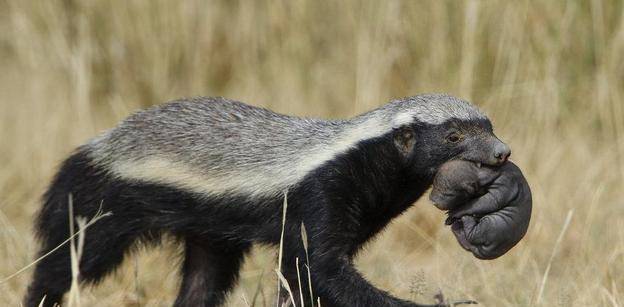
(550, 74)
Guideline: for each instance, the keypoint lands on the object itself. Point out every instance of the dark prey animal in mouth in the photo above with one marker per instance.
(489, 208)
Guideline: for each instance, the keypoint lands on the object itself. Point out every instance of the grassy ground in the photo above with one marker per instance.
(550, 74)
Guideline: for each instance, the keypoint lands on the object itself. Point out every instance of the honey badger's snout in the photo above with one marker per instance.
(487, 149)
(501, 152)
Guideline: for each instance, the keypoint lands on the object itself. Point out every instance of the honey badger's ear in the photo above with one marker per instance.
(404, 140)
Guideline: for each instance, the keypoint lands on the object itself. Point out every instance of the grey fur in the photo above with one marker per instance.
(216, 145)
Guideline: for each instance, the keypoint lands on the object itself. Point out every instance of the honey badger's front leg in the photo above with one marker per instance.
(334, 236)
(334, 278)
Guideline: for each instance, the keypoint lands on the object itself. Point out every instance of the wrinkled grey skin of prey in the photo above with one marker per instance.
(497, 219)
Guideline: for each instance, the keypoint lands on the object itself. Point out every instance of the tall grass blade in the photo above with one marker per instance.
(304, 238)
(279, 259)
(286, 286)
(299, 280)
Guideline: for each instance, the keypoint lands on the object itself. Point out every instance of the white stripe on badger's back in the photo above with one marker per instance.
(215, 146)
(256, 179)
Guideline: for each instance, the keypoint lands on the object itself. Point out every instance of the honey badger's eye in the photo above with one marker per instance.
(454, 137)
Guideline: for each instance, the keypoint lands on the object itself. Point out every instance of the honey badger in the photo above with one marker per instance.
(213, 172)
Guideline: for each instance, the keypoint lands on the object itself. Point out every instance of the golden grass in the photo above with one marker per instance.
(550, 74)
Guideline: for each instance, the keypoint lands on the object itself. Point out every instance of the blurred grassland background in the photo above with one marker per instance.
(550, 74)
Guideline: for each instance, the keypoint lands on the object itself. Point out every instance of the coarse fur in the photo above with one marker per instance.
(212, 173)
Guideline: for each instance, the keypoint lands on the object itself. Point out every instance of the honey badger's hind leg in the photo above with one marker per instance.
(106, 241)
(52, 276)
(209, 272)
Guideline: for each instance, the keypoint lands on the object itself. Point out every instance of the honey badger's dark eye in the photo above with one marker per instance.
(454, 137)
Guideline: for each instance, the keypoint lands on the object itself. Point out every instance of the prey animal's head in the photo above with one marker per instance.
(457, 182)
(430, 130)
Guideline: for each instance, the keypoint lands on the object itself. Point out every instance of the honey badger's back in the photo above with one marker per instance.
(214, 145)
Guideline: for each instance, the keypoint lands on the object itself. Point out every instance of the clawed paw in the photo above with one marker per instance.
(441, 302)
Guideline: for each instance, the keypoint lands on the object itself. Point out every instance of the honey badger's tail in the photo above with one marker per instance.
(106, 241)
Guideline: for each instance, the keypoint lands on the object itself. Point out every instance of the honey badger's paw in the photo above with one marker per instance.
(441, 302)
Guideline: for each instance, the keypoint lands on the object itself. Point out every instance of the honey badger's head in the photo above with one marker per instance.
(433, 129)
